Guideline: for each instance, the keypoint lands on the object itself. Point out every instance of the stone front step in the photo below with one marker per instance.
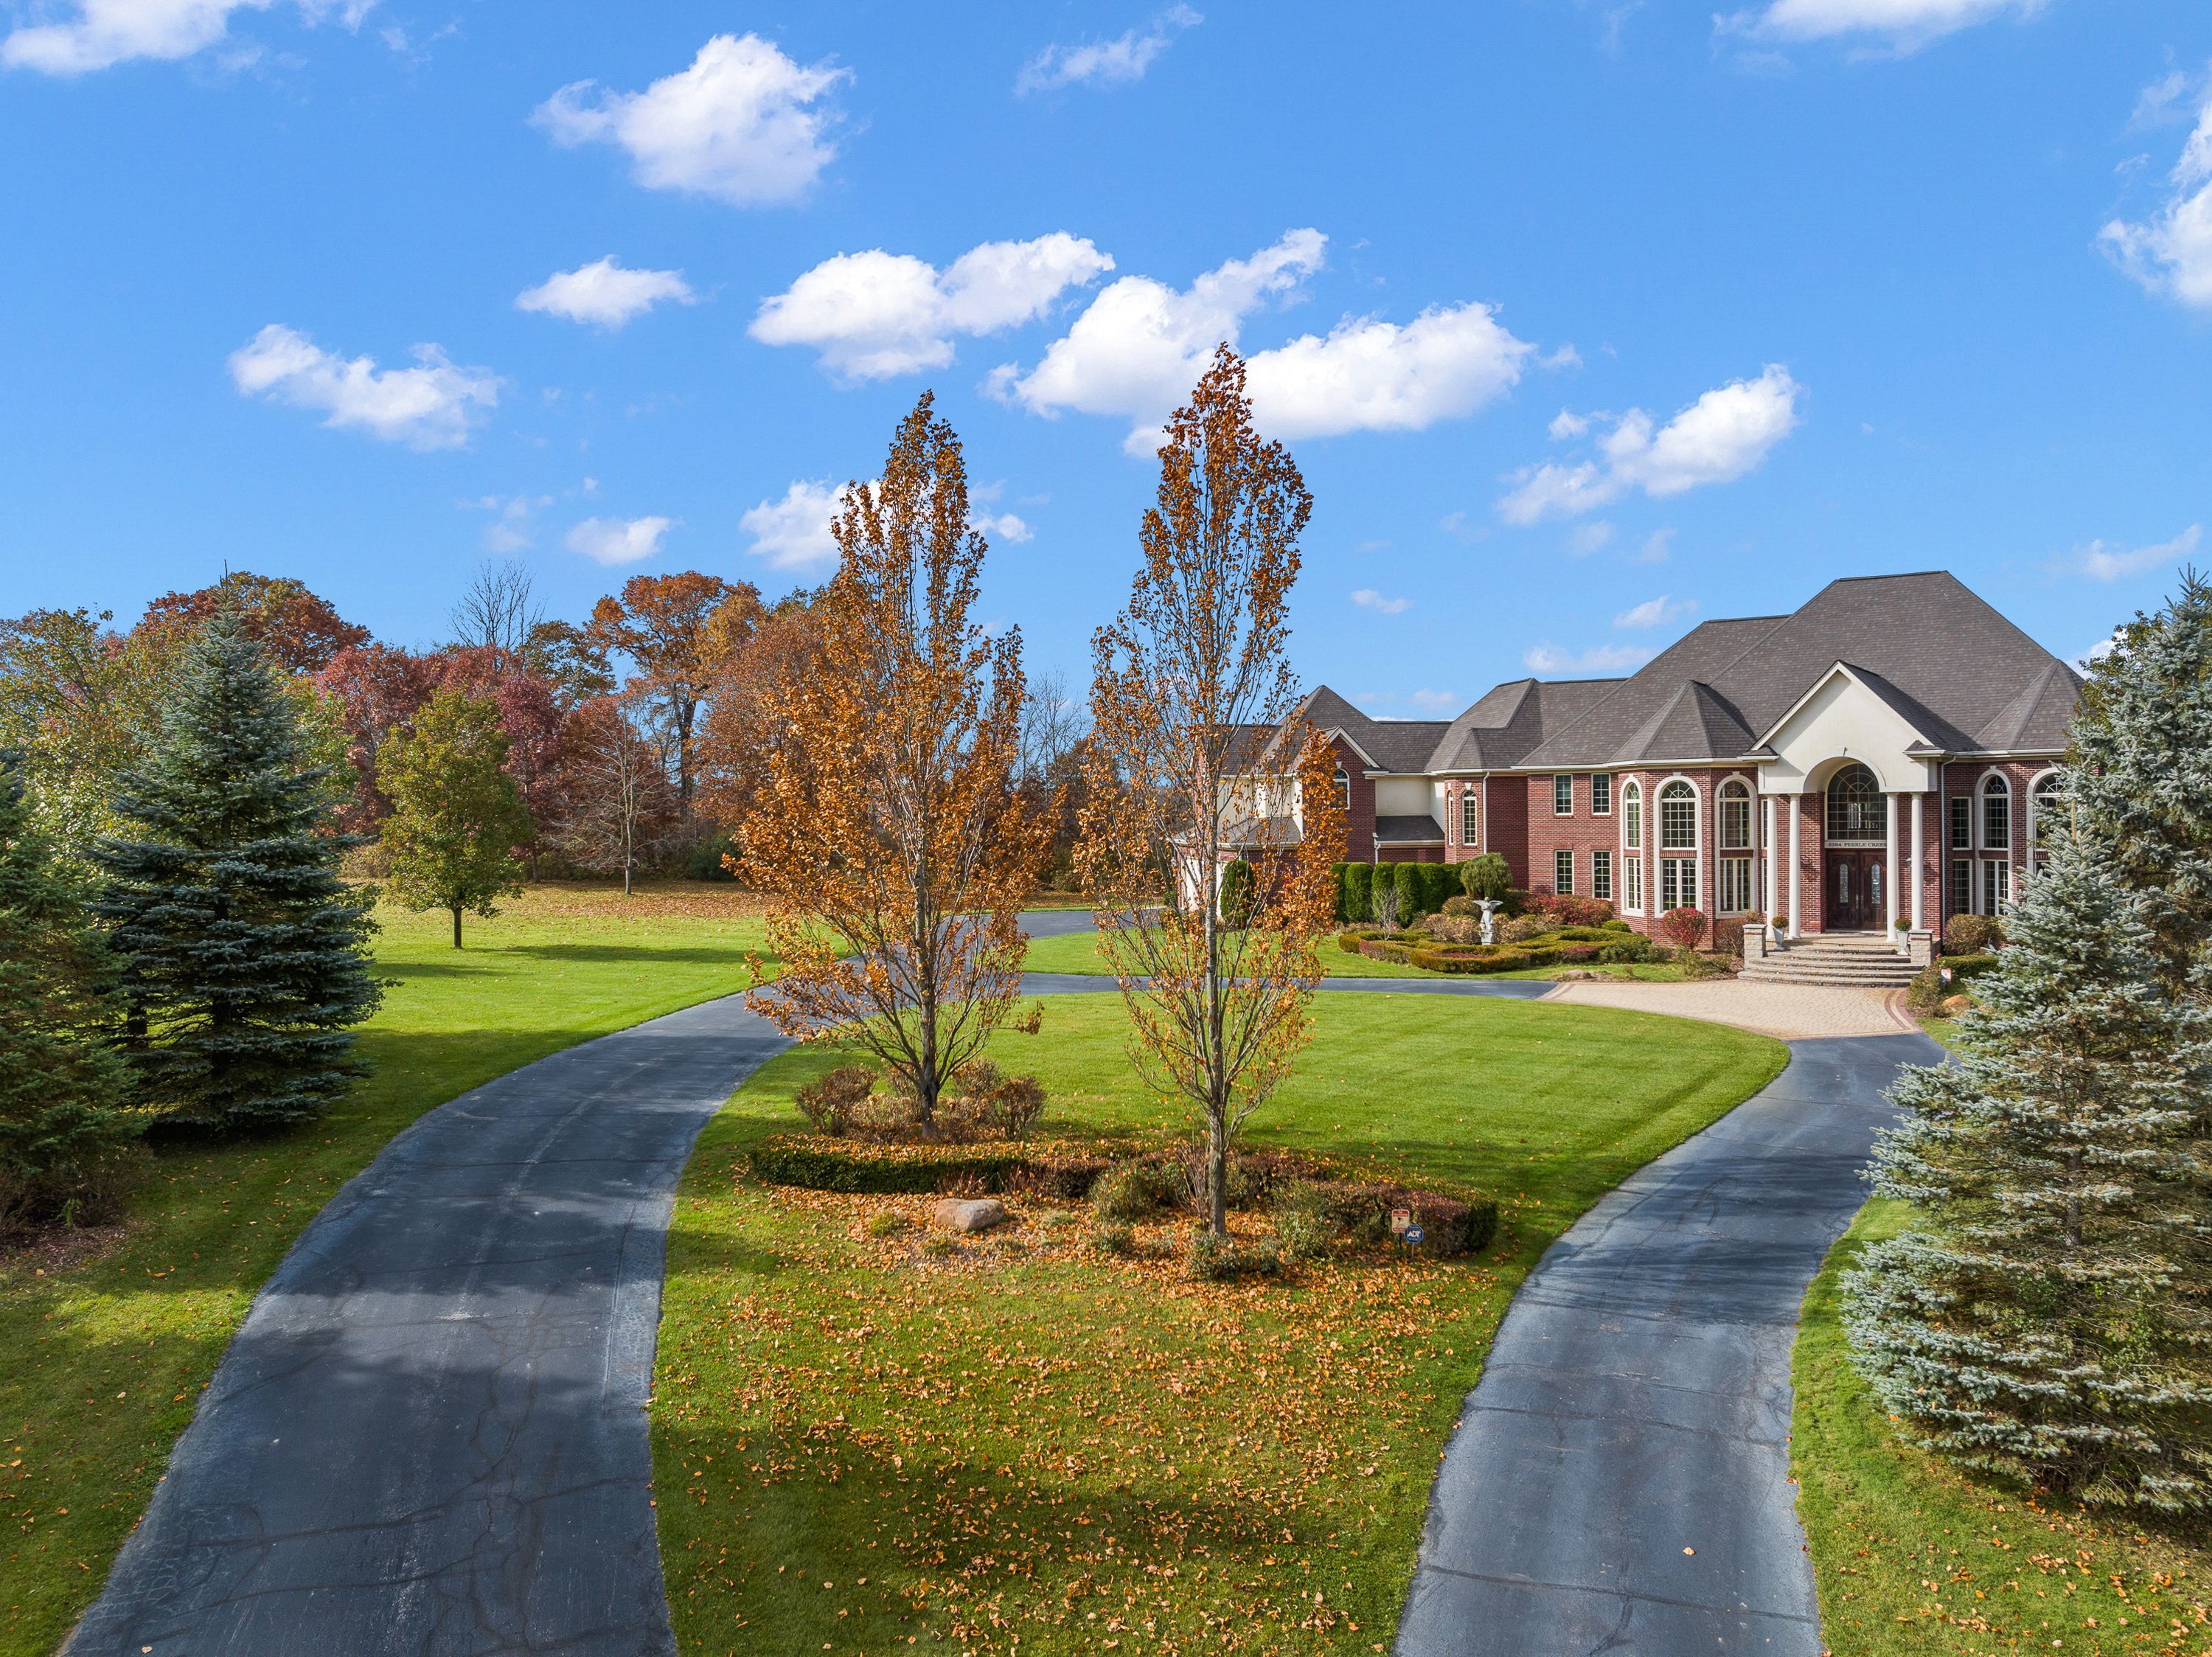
(1894, 973)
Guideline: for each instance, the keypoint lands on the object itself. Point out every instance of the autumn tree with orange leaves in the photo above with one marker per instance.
(1198, 754)
(888, 831)
(675, 628)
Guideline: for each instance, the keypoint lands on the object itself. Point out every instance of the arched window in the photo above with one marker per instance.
(1856, 812)
(2046, 808)
(1343, 789)
(1736, 817)
(1632, 816)
(1996, 813)
(1678, 817)
(1470, 816)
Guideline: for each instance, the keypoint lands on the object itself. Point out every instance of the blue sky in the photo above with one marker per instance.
(1584, 322)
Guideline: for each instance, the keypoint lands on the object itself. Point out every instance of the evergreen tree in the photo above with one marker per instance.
(65, 1128)
(457, 816)
(2143, 737)
(245, 960)
(2047, 1317)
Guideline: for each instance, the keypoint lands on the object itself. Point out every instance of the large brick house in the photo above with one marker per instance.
(1885, 752)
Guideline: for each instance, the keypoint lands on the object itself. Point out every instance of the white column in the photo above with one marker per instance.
(1795, 873)
(1769, 908)
(1919, 873)
(1890, 803)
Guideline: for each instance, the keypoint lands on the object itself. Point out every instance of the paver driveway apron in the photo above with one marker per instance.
(1620, 1481)
(429, 1436)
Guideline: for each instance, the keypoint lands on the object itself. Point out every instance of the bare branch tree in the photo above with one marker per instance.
(497, 608)
(619, 801)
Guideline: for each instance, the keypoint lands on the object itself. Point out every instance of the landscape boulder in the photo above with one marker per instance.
(970, 1213)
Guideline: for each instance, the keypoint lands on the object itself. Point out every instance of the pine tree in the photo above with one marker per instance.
(2143, 737)
(457, 816)
(2047, 1317)
(245, 959)
(65, 1128)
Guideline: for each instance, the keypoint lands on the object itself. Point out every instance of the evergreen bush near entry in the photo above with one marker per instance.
(244, 959)
(1486, 876)
(1235, 891)
(2045, 1316)
(1406, 877)
(1358, 905)
(66, 1135)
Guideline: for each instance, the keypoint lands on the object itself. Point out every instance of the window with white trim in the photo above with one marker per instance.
(1600, 795)
(2046, 806)
(1631, 885)
(1962, 825)
(1562, 872)
(1735, 885)
(1962, 881)
(1996, 815)
(1563, 796)
(1601, 874)
(1343, 789)
(1470, 816)
(1632, 818)
(1677, 883)
(1735, 818)
(1996, 886)
(1678, 818)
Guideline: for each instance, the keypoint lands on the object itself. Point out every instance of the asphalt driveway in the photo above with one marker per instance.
(1620, 1481)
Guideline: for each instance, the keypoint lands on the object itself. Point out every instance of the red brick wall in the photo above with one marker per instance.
(1580, 834)
(1505, 824)
(1964, 777)
(1359, 821)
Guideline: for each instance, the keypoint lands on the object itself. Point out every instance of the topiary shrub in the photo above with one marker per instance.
(1486, 876)
(1459, 908)
(1522, 929)
(1582, 935)
(1972, 935)
(1358, 905)
(1580, 911)
(1632, 949)
(1236, 892)
(1683, 926)
(1617, 925)
(1406, 877)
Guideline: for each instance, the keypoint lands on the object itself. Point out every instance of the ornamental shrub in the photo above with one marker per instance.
(828, 1105)
(1522, 927)
(1972, 935)
(1683, 926)
(1461, 908)
(815, 1163)
(1130, 1190)
(1633, 949)
(1486, 876)
(1359, 905)
(1580, 911)
(1383, 898)
(1236, 892)
(1411, 886)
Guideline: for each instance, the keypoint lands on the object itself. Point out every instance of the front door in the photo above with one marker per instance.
(1854, 896)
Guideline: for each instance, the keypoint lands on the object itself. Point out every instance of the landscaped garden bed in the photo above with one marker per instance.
(871, 1429)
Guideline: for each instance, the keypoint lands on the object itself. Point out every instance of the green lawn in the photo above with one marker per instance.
(100, 1360)
(1077, 952)
(1915, 1558)
(864, 1445)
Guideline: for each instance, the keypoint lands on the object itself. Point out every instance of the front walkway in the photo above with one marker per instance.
(1791, 1011)
(1620, 1481)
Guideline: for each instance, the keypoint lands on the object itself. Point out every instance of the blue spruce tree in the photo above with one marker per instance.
(245, 959)
(2048, 1316)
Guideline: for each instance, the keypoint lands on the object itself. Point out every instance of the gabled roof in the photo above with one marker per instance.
(1956, 671)
(1499, 731)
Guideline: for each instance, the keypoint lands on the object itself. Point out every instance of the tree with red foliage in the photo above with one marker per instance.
(298, 631)
(378, 689)
(1683, 926)
(674, 629)
(739, 727)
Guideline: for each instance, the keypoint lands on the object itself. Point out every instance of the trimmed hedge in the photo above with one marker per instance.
(1929, 990)
(816, 1162)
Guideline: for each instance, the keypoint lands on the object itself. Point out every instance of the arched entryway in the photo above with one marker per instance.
(1855, 821)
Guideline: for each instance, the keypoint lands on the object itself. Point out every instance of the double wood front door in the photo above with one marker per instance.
(1854, 894)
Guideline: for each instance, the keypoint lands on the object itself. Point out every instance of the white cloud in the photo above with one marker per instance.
(1725, 434)
(1434, 702)
(1655, 613)
(1002, 525)
(2097, 652)
(1901, 25)
(618, 540)
(1603, 658)
(1368, 598)
(2171, 251)
(793, 533)
(604, 293)
(105, 32)
(510, 531)
(1106, 63)
(429, 406)
(1658, 547)
(1372, 375)
(743, 123)
(875, 314)
(2101, 561)
(1567, 424)
(1588, 537)
(1139, 347)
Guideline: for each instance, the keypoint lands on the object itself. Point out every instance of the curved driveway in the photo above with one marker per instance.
(1620, 1481)
(429, 1435)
